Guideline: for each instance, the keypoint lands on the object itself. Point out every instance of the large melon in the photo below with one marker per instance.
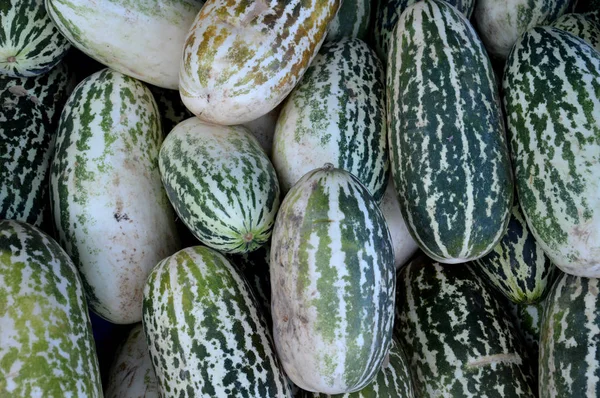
(110, 208)
(448, 150)
(552, 100)
(332, 281)
(243, 57)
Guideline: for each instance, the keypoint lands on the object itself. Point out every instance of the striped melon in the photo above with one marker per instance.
(458, 338)
(131, 374)
(351, 20)
(404, 244)
(332, 281)
(388, 12)
(570, 339)
(30, 44)
(594, 16)
(110, 209)
(517, 266)
(221, 184)
(392, 381)
(552, 99)
(142, 39)
(449, 155)
(243, 57)
(336, 115)
(501, 22)
(46, 343)
(205, 334)
(581, 26)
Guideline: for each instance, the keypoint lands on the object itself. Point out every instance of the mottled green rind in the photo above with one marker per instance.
(29, 111)
(28, 35)
(332, 277)
(388, 12)
(205, 334)
(517, 266)
(581, 26)
(392, 381)
(221, 184)
(552, 97)
(351, 20)
(459, 340)
(448, 150)
(336, 115)
(46, 345)
(570, 339)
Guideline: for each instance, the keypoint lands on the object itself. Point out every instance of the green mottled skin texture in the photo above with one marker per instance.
(205, 334)
(331, 275)
(570, 339)
(386, 16)
(336, 115)
(528, 321)
(473, 349)
(392, 381)
(28, 35)
(449, 154)
(517, 266)
(221, 183)
(172, 110)
(46, 345)
(552, 91)
(29, 111)
(581, 26)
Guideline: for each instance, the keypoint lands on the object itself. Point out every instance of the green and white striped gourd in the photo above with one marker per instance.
(205, 333)
(570, 339)
(351, 20)
(221, 184)
(336, 115)
(30, 43)
(142, 39)
(332, 281)
(387, 14)
(46, 343)
(131, 374)
(500, 23)
(552, 100)
(517, 267)
(449, 155)
(581, 26)
(392, 381)
(594, 16)
(459, 340)
(404, 244)
(110, 209)
(243, 57)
